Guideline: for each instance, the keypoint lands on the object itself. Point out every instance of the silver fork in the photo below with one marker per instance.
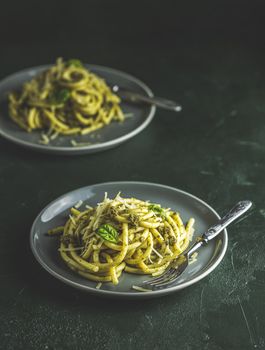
(157, 101)
(177, 266)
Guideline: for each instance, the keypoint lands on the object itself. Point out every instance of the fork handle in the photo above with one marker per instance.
(157, 101)
(239, 209)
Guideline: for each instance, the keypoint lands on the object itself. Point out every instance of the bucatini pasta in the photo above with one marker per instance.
(64, 99)
(122, 234)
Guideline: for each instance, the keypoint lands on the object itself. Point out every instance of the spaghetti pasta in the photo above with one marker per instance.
(122, 234)
(65, 99)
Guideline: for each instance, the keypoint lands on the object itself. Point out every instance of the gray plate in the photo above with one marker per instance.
(108, 137)
(45, 248)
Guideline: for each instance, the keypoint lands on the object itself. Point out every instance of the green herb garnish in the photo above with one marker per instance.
(59, 97)
(108, 233)
(74, 62)
(158, 210)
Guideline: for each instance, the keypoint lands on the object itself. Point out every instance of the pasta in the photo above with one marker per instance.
(122, 234)
(65, 99)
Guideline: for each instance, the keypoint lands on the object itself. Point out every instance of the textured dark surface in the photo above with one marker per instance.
(210, 58)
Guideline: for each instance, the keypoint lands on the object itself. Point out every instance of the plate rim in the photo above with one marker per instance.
(133, 294)
(91, 148)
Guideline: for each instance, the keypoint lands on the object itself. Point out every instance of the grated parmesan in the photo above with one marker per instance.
(193, 258)
(45, 138)
(140, 289)
(158, 254)
(98, 286)
(78, 204)
(54, 135)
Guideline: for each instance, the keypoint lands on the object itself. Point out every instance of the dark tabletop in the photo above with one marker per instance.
(209, 56)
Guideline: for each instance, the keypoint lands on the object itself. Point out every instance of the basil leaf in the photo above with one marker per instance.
(63, 95)
(108, 233)
(74, 62)
(155, 207)
(158, 210)
(59, 96)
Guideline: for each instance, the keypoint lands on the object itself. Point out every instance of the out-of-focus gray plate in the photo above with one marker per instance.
(105, 138)
(46, 252)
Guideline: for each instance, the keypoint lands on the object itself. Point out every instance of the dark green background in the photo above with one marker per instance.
(209, 56)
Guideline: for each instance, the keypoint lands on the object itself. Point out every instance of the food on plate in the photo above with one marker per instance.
(65, 99)
(122, 234)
